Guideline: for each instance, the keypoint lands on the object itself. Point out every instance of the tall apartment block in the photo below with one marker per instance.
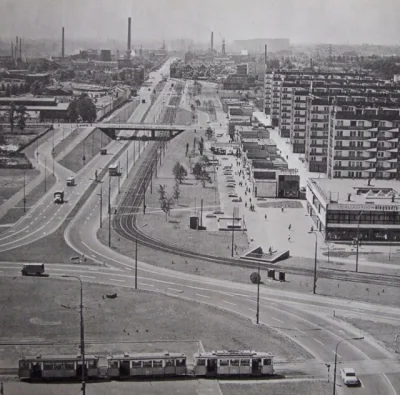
(364, 143)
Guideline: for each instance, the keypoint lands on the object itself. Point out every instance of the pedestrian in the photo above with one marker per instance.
(250, 200)
(282, 209)
(265, 216)
(288, 238)
(290, 226)
(245, 204)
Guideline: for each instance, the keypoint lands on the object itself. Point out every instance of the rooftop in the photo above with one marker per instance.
(338, 190)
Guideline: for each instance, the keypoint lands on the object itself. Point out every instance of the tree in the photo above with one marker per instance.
(21, 117)
(179, 172)
(192, 107)
(166, 205)
(86, 109)
(209, 133)
(204, 177)
(11, 116)
(187, 149)
(201, 146)
(162, 192)
(177, 192)
(73, 111)
(35, 87)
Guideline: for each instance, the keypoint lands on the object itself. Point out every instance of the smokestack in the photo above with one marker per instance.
(62, 44)
(129, 34)
(265, 54)
(16, 47)
(20, 48)
(12, 50)
(223, 47)
(212, 42)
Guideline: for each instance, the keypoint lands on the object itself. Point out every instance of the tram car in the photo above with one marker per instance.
(233, 363)
(57, 367)
(149, 364)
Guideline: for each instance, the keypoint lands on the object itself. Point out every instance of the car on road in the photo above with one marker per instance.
(349, 377)
(232, 195)
(33, 270)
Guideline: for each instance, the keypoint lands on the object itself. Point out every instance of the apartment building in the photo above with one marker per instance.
(300, 104)
(364, 143)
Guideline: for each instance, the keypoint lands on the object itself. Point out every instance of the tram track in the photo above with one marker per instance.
(124, 222)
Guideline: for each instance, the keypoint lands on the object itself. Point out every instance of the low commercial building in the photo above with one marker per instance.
(347, 210)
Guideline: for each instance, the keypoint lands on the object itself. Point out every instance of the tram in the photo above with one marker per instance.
(233, 363)
(113, 170)
(57, 367)
(149, 364)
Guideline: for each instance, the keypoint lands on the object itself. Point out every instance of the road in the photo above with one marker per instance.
(305, 319)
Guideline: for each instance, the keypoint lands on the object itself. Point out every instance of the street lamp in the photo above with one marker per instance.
(315, 260)
(336, 350)
(358, 239)
(82, 335)
(24, 194)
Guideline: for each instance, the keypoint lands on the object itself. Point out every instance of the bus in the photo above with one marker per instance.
(70, 181)
(113, 170)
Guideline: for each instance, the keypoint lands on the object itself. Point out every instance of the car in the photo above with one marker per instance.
(230, 185)
(349, 377)
(233, 195)
(302, 189)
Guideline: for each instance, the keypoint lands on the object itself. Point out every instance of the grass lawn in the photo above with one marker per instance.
(135, 316)
(17, 212)
(89, 148)
(12, 180)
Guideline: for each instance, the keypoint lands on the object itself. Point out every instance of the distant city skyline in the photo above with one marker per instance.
(303, 22)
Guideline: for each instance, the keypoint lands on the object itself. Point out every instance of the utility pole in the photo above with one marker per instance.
(101, 204)
(136, 250)
(144, 197)
(127, 162)
(109, 210)
(151, 178)
(315, 261)
(201, 213)
(258, 293)
(233, 228)
(82, 327)
(358, 239)
(24, 194)
(119, 178)
(45, 175)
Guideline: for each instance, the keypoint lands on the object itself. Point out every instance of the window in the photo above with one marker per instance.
(69, 366)
(234, 362)
(47, 365)
(339, 143)
(136, 364)
(338, 174)
(266, 362)
(359, 143)
(181, 362)
(352, 154)
(339, 153)
(245, 362)
(360, 133)
(351, 174)
(352, 144)
(224, 362)
(353, 123)
(157, 364)
(147, 364)
(200, 362)
(339, 123)
(360, 123)
(58, 366)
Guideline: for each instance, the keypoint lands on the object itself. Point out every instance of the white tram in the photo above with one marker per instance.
(149, 364)
(233, 363)
(57, 367)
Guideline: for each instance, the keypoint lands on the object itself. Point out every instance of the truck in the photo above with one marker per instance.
(70, 182)
(59, 197)
(33, 270)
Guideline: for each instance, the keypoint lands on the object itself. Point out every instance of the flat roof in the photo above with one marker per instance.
(155, 355)
(378, 192)
(31, 99)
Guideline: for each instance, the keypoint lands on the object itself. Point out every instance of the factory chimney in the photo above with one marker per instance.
(129, 34)
(212, 42)
(16, 48)
(265, 55)
(12, 50)
(20, 48)
(223, 47)
(62, 43)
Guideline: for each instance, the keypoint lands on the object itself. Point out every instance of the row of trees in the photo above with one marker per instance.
(167, 202)
(35, 88)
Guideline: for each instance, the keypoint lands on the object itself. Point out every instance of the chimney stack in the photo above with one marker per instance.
(62, 44)
(12, 50)
(223, 47)
(20, 48)
(129, 34)
(16, 48)
(265, 54)
(212, 42)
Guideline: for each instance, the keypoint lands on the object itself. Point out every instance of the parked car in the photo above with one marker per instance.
(349, 377)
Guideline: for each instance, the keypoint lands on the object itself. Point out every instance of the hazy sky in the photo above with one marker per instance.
(303, 21)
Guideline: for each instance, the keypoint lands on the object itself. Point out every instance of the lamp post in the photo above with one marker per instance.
(258, 293)
(315, 261)
(109, 210)
(336, 350)
(358, 239)
(82, 335)
(24, 195)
